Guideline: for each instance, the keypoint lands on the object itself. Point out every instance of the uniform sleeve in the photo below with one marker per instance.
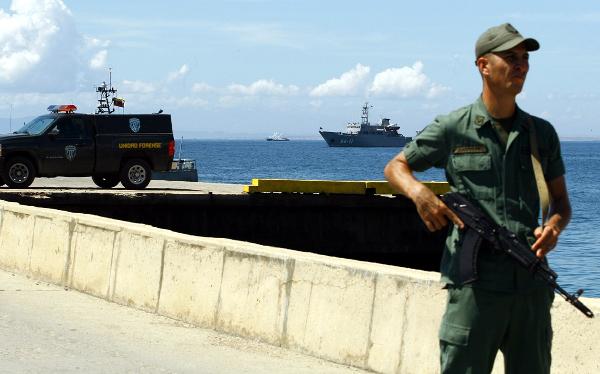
(428, 149)
(556, 166)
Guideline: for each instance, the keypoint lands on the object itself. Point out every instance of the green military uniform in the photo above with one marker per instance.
(506, 308)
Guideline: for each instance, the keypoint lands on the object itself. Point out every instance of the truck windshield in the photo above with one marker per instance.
(36, 126)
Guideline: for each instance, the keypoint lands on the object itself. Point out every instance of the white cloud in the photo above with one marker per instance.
(137, 87)
(41, 49)
(178, 74)
(407, 81)
(263, 87)
(202, 87)
(436, 90)
(99, 60)
(347, 84)
(95, 42)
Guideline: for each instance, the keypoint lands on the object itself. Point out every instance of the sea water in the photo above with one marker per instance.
(576, 258)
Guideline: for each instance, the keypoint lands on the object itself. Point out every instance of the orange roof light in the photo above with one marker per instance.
(65, 108)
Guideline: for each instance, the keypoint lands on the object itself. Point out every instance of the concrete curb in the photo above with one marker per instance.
(372, 316)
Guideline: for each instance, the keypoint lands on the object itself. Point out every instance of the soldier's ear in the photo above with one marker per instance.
(482, 64)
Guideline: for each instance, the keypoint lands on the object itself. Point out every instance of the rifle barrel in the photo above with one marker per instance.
(574, 300)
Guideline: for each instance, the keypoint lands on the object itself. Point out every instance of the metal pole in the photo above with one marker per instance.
(180, 147)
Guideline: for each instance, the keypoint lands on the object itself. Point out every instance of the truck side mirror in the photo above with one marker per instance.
(53, 133)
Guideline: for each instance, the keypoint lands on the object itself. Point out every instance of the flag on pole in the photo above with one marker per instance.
(118, 101)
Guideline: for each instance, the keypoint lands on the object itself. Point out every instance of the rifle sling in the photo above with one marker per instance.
(540, 181)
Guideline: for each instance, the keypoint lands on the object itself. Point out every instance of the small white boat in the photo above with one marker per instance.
(182, 169)
(277, 137)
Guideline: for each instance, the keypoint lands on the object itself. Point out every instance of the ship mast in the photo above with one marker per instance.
(105, 104)
(365, 115)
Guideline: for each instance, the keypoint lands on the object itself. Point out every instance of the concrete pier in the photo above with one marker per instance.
(355, 225)
(86, 184)
(372, 316)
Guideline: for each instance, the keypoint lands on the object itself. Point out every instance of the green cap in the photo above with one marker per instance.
(502, 38)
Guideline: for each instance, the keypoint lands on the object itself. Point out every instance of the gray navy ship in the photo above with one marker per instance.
(366, 135)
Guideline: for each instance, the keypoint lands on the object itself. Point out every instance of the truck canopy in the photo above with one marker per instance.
(133, 124)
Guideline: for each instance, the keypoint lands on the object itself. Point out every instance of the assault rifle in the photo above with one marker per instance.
(480, 227)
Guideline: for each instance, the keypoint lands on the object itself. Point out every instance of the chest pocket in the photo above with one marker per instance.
(472, 162)
(474, 174)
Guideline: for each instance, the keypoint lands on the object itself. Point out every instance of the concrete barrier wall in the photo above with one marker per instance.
(372, 316)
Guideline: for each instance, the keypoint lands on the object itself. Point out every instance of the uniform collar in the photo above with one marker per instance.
(481, 116)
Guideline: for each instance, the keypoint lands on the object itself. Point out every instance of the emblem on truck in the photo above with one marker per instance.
(134, 124)
(70, 152)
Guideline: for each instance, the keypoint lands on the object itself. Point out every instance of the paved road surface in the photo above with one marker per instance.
(46, 329)
(67, 183)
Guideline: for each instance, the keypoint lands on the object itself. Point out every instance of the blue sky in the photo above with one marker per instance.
(247, 68)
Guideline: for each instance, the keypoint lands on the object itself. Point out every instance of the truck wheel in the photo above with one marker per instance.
(135, 174)
(105, 181)
(19, 172)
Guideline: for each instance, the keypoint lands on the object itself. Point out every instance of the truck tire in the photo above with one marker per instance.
(106, 180)
(2, 181)
(18, 172)
(135, 174)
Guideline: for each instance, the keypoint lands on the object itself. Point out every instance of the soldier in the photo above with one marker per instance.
(486, 153)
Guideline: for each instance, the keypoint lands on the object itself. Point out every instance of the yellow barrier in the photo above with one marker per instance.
(333, 187)
(306, 186)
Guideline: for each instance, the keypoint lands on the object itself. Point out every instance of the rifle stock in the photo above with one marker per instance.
(505, 240)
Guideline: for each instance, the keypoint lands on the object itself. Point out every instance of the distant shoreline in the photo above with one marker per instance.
(578, 139)
(562, 139)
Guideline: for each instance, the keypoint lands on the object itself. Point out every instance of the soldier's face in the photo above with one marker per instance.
(507, 70)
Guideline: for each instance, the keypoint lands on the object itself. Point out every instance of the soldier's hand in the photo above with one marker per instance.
(546, 239)
(434, 213)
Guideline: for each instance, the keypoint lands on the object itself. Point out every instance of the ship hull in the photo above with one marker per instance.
(340, 139)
